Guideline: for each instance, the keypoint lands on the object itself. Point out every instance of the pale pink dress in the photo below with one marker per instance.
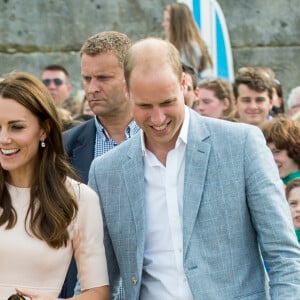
(30, 263)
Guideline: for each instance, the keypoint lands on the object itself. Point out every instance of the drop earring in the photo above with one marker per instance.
(43, 145)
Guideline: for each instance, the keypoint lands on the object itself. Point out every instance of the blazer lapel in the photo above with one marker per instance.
(83, 153)
(133, 172)
(196, 164)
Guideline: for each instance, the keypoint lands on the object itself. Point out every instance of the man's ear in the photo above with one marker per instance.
(197, 91)
(225, 103)
(126, 89)
(183, 81)
(69, 87)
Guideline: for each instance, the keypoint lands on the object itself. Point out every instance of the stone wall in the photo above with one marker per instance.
(34, 33)
(266, 33)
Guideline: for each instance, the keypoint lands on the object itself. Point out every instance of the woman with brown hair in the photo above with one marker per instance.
(182, 31)
(282, 136)
(42, 210)
(214, 98)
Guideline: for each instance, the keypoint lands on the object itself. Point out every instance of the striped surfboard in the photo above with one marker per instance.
(212, 24)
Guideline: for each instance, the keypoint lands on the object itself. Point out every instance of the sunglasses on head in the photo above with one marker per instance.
(57, 81)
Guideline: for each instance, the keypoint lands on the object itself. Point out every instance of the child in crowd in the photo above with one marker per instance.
(292, 193)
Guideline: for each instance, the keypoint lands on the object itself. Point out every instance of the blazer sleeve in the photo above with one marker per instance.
(271, 217)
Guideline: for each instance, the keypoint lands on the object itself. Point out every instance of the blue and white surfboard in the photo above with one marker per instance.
(212, 24)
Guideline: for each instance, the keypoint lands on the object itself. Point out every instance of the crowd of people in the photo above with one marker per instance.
(157, 181)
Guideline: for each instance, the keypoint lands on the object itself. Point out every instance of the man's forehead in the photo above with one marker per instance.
(53, 73)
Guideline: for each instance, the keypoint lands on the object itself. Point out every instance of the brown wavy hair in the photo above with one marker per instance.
(284, 133)
(183, 31)
(255, 78)
(52, 207)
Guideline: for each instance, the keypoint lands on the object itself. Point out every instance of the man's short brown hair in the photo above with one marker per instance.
(107, 41)
(256, 78)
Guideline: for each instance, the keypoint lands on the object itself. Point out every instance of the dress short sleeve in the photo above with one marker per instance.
(87, 238)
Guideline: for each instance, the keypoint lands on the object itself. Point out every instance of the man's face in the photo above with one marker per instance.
(103, 83)
(57, 84)
(158, 106)
(189, 93)
(252, 106)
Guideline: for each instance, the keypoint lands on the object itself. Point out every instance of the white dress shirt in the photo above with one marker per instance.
(163, 273)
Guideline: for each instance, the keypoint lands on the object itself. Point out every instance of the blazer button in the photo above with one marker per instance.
(134, 280)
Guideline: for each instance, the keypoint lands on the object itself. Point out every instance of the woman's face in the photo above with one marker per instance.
(207, 104)
(285, 164)
(20, 137)
(166, 22)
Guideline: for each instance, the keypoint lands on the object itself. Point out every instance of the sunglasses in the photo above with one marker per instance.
(56, 81)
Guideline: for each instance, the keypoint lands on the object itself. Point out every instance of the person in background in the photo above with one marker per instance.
(190, 91)
(296, 117)
(253, 100)
(85, 108)
(56, 79)
(292, 192)
(102, 69)
(214, 98)
(85, 112)
(181, 30)
(293, 101)
(186, 217)
(278, 99)
(101, 58)
(282, 137)
(45, 215)
(66, 119)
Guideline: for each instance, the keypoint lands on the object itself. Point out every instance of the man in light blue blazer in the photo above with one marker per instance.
(192, 205)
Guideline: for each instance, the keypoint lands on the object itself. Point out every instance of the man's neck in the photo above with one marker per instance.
(115, 127)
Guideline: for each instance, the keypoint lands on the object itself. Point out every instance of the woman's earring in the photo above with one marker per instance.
(43, 145)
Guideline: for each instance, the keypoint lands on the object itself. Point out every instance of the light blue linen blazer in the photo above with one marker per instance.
(234, 215)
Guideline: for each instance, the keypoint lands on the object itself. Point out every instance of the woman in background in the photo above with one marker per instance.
(278, 99)
(45, 216)
(214, 98)
(282, 137)
(181, 30)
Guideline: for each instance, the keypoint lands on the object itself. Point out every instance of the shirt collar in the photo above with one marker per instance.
(130, 130)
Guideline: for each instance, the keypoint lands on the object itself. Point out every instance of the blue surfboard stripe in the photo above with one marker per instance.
(219, 42)
(222, 63)
(196, 12)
